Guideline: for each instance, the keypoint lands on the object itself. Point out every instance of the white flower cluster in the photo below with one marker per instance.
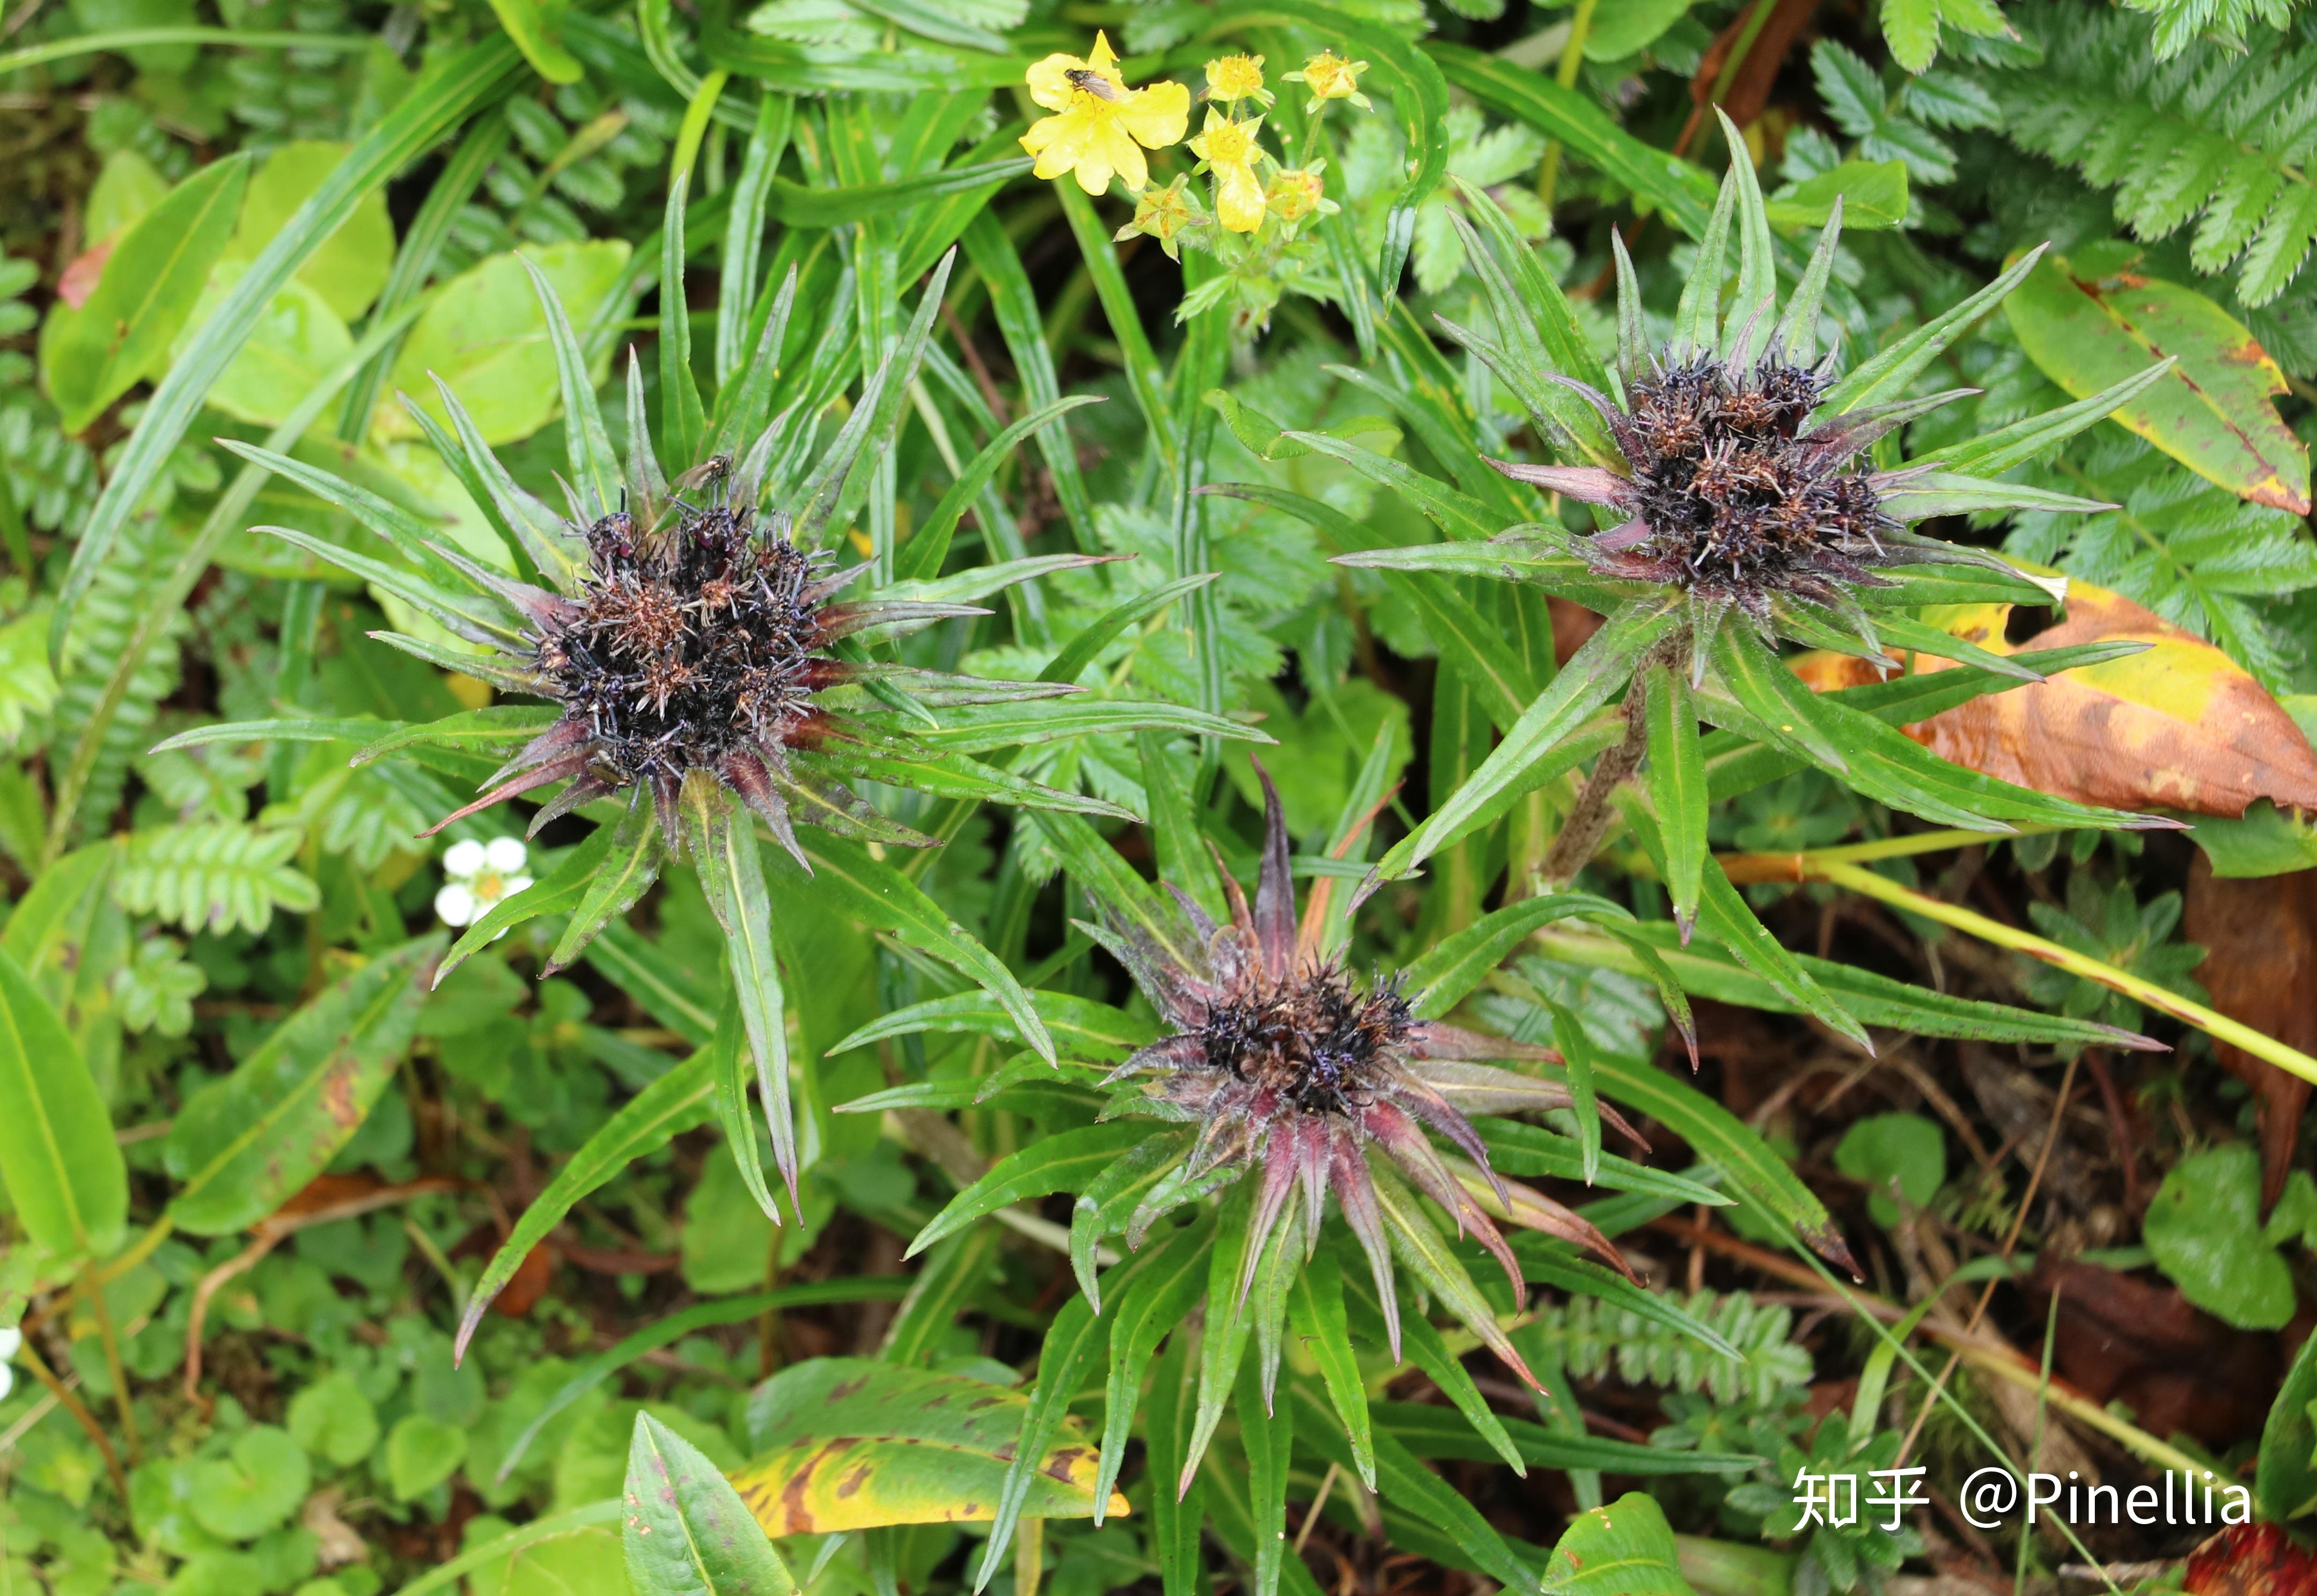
(478, 876)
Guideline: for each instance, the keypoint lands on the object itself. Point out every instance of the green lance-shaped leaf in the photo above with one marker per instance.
(666, 1332)
(1625, 1548)
(1685, 194)
(1062, 1162)
(1149, 1298)
(1420, 1338)
(1267, 1433)
(670, 1106)
(63, 1170)
(69, 939)
(1090, 1030)
(659, 983)
(732, 877)
(1579, 1055)
(732, 1071)
(631, 865)
(244, 1145)
(1676, 787)
(1416, 1490)
(1440, 980)
(1072, 1343)
(1222, 1342)
(1430, 1432)
(1111, 1197)
(1175, 1521)
(1887, 376)
(555, 892)
(953, 1273)
(1724, 1141)
(848, 1443)
(1014, 306)
(684, 421)
(1592, 676)
(1549, 1258)
(1315, 1312)
(743, 235)
(444, 98)
(1515, 1148)
(884, 898)
(687, 1532)
(91, 354)
(587, 447)
(920, 559)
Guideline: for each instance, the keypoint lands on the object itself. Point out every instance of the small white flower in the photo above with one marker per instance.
(480, 876)
(9, 1340)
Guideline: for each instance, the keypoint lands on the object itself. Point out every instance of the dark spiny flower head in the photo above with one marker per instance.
(1319, 1084)
(697, 636)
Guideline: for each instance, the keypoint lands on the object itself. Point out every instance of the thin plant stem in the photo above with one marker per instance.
(1572, 57)
(101, 1311)
(90, 44)
(31, 1359)
(1589, 818)
(1867, 883)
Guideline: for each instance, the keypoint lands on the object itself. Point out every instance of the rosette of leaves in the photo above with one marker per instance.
(707, 665)
(1752, 494)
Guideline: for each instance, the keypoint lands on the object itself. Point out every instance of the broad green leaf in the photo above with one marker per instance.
(536, 26)
(244, 1145)
(2090, 321)
(2284, 1479)
(121, 334)
(846, 1443)
(448, 94)
(349, 266)
(64, 1172)
(2203, 1228)
(1623, 1546)
(254, 1487)
(1874, 195)
(484, 334)
(298, 342)
(69, 939)
(687, 1532)
(1061, 1162)
(671, 1105)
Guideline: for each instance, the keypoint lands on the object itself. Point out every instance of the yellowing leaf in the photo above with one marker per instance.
(2088, 322)
(849, 1443)
(2180, 726)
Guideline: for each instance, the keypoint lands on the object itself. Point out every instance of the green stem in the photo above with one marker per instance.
(90, 44)
(1867, 885)
(1572, 57)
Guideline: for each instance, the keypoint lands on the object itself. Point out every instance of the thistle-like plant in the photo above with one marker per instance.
(1752, 495)
(706, 663)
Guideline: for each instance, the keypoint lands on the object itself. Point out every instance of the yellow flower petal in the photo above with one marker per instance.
(1238, 197)
(1158, 116)
(1050, 83)
(1102, 57)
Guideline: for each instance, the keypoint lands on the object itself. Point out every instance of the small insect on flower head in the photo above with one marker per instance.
(1319, 1084)
(1101, 127)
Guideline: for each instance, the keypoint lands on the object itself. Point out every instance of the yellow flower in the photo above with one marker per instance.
(1234, 79)
(1100, 121)
(1329, 77)
(1296, 194)
(1160, 214)
(1228, 150)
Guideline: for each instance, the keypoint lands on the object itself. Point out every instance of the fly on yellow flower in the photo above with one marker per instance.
(1233, 78)
(1228, 149)
(1161, 214)
(1329, 77)
(1100, 121)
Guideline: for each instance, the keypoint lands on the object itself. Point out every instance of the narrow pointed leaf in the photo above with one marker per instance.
(1066, 1162)
(1676, 785)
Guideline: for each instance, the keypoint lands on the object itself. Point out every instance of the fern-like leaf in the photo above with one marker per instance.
(214, 877)
(2210, 136)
